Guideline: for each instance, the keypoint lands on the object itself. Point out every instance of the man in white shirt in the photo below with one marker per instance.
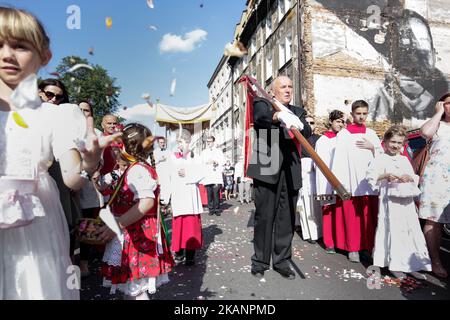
(161, 154)
(213, 159)
(244, 183)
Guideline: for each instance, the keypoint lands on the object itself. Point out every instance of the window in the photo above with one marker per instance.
(288, 4)
(245, 61)
(253, 45)
(281, 9)
(288, 48)
(268, 26)
(268, 65)
(281, 55)
(236, 73)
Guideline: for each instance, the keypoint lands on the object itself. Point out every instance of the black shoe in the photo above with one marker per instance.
(285, 273)
(178, 258)
(210, 212)
(189, 262)
(257, 273)
(312, 241)
(365, 256)
(218, 213)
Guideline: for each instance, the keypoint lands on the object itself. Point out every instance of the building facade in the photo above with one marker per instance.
(391, 53)
(219, 88)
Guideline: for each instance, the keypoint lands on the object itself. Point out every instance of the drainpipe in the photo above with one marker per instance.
(233, 142)
(299, 55)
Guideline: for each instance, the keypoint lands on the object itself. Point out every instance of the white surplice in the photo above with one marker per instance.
(183, 192)
(325, 149)
(213, 175)
(399, 241)
(307, 207)
(350, 163)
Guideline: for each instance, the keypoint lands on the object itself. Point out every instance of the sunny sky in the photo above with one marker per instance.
(187, 44)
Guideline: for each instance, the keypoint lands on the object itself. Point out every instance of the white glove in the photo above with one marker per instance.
(289, 120)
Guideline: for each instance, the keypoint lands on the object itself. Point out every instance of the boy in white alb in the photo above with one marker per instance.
(325, 149)
(356, 147)
(183, 193)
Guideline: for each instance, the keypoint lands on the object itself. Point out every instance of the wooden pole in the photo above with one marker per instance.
(337, 186)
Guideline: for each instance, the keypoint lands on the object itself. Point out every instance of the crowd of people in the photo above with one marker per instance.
(56, 169)
(380, 223)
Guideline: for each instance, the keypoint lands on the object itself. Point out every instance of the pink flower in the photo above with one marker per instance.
(143, 269)
(134, 260)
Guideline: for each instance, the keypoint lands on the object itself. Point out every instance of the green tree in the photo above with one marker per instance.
(95, 86)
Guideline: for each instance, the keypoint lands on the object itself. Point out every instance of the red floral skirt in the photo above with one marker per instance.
(139, 255)
(187, 232)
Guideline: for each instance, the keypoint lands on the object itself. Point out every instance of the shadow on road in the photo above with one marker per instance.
(186, 281)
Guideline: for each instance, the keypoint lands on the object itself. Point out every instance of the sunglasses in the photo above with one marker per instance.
(311, 122)
(51, 95)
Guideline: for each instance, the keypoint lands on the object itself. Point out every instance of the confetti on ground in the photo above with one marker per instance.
(349, 274)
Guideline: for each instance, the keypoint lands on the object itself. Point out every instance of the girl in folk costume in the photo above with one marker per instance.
(399, 241)
(356, 218)
(183, 193)
(325, 146)
(142, 263)
(34, 236)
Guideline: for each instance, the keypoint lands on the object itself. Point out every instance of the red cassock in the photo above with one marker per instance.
(350, 225)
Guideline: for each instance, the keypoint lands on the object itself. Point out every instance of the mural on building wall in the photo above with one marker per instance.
(403, 38)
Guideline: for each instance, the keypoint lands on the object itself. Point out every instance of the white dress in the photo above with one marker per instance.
(399, 241)
(435, 185)
(34, 258)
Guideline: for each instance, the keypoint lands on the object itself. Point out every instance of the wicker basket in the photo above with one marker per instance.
(86, 228)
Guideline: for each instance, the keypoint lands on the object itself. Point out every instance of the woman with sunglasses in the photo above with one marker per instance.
(53, 91)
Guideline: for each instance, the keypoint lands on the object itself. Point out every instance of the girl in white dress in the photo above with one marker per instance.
(399, 241)
(34, 238)
(435, 183)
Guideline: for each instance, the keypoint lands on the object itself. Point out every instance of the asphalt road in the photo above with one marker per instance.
(222, 271)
